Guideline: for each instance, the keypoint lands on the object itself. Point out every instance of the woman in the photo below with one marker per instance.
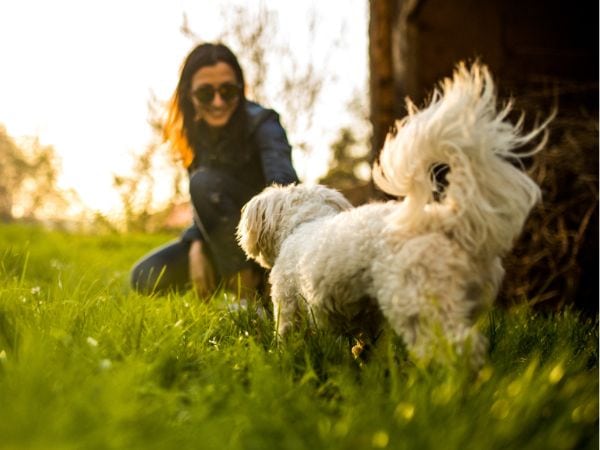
(232, 149)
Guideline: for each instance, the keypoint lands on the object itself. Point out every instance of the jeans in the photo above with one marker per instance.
(217, 199)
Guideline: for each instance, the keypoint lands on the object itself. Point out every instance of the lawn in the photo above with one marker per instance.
(87, 364)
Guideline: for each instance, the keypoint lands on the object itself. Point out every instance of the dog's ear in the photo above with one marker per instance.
(257, 229)
(250, 226)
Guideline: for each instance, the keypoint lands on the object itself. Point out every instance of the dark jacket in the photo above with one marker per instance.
(265, 159)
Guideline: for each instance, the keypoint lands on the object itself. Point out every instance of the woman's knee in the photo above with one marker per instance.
(205, 191)
(204, 183)
(212, 197)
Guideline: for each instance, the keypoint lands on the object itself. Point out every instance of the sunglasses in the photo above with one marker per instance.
(205, 94)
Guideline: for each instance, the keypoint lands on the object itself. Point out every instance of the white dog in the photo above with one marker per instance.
(428, 266)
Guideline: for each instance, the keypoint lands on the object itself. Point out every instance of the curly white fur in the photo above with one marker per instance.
(428, 267)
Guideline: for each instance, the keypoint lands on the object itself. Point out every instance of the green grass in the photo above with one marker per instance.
(87, 364)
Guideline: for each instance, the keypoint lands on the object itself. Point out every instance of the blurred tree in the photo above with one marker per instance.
(28, 179)
(385, 99)
(351, 158)
(10, 173)
(135, 191)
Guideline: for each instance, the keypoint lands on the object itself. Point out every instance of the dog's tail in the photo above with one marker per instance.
(487, 198)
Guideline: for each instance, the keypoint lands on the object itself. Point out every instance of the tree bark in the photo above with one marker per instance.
(382, 82)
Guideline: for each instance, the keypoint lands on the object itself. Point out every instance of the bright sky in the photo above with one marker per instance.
(79, 74)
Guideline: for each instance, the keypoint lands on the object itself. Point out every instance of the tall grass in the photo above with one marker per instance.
(87, 364)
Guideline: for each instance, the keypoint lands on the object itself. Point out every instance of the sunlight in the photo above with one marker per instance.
(81, 81)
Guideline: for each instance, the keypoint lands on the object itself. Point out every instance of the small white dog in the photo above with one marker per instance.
(427, 266)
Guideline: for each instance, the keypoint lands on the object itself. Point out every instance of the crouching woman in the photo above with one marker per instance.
(232, 149)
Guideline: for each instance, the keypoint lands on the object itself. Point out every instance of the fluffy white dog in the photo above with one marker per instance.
(428, 265)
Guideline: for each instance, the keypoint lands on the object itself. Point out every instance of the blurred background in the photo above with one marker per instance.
(90, 80)
(83, 87)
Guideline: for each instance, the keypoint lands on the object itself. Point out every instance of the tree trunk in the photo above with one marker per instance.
(382, 80)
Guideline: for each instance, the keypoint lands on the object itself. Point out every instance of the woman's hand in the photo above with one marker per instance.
(201, 271)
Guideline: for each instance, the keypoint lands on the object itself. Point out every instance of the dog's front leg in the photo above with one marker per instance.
(285, 310)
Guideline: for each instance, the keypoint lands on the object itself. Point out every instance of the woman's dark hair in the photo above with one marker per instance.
(180, 127)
